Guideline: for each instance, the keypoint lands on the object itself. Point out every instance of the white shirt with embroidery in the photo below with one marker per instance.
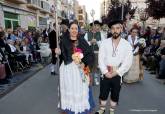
(123, 59)
(133, 43)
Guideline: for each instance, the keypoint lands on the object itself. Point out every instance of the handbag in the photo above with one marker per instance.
(2, 71)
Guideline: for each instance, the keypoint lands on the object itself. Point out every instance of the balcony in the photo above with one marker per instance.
(64, 3)
(2, 1)
(17, 1)
(34, 4)
(45, 7)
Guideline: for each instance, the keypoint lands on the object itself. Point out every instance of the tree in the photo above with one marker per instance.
(156, 8)
(115, 11)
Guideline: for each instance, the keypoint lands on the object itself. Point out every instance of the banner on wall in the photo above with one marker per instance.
(32, 21)
(28, 20)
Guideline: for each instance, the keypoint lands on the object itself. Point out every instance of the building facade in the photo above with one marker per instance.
(28, 14)
(104, 7)
(82, 16)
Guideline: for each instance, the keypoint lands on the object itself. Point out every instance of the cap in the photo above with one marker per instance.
(65, 22)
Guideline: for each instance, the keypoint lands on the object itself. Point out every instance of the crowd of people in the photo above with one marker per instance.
(153, 55)
(19, 48)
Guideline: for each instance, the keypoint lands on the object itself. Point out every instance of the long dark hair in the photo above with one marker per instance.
(71, 23)
(73, 42)
(70, 44)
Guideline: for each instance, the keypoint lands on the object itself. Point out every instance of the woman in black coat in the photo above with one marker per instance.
(77, 56)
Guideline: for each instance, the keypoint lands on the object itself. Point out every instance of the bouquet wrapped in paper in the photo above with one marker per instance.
(77, 55)
(84, 70)
(141, 44)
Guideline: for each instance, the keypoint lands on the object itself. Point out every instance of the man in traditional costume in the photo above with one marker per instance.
(53, 45)
(94, 38)
(115, 59)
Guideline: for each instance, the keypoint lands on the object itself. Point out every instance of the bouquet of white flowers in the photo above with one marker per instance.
(141, 44)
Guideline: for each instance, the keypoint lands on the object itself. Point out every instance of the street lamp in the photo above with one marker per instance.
(92, 14)
(143, 17)
(104, 8)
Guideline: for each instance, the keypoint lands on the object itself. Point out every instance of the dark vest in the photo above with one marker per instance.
(96, 36)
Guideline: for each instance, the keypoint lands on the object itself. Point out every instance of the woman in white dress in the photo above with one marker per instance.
(76, 54)
(135, 73)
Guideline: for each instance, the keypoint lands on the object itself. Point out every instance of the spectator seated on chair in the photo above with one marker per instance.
(15, 57)
(26, 50)
(162, 61)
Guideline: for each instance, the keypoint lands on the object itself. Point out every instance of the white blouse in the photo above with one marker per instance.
(135, 50)
(123, 59)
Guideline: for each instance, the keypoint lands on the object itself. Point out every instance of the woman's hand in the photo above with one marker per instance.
(82, 65)
(58, 51)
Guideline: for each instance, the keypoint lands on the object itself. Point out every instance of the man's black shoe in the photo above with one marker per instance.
(53, 73)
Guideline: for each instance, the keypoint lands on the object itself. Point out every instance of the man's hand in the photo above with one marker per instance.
(111, 75)
(82, 65)
(108, 75)
(163, 56)
(114, 73)
(93, 41)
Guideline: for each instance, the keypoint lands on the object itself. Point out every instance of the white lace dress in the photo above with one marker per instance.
(134, 72)
(74, 92)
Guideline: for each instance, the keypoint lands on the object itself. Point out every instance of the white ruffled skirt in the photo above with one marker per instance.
(73, 91)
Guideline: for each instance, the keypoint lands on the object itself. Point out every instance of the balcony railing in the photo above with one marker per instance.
(45, 7)
(34, 4)
(1, 1)
(17, 1)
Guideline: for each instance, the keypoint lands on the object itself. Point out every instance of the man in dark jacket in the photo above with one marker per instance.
(53, 46)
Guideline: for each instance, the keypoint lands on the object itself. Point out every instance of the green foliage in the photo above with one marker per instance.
(115, 11)
(156, 8)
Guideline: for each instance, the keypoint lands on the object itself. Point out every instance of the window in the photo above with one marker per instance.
(11, 20)
(81, 24)
(15, 24)
(80, 11)
(8, 24)
(80, 17)
(10, 15)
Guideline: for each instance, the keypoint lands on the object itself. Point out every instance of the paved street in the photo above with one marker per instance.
(18, 78)
(38, 95)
